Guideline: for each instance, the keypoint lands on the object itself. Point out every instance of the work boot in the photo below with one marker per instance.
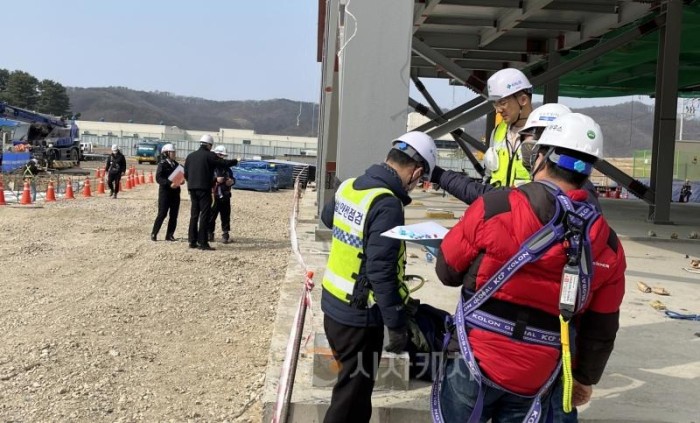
(153, 237)
(225, 238)
(111, 193)
(170, 238)
(194, 245)
(207, 248)
(211, 237)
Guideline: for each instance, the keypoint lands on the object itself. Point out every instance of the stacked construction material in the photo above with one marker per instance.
(255, 179)
(284, 171)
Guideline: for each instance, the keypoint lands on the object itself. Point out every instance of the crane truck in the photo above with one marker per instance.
(52, 141)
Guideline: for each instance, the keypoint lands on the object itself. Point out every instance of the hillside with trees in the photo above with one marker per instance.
(627, 127)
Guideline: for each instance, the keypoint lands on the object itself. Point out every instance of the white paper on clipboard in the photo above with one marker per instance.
(178, 175)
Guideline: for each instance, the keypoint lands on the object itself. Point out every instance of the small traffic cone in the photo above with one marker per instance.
(128, 182)
(69, 190)
(50, 193)
(2, 193)
(101, 186)
(135, 180)
(97, 173)
(142, 178)
(86, 188)
(26, 194)
(150, 178)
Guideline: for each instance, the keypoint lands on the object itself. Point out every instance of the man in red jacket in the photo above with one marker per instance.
(514, 369)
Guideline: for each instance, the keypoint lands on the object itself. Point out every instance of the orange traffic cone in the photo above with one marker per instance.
(69, 190)
(121, 186)
(97, 173)
(142, 178)
(26, 194)
(128, 182)
(2, 193)
(101, 186)
(86, 188)
(150, 178)
(50, 194)
(135, 180)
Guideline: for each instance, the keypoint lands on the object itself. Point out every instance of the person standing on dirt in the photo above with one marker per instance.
(168, 194)
(363, 286)
(115, 169)
(199, 171)
(686, 192)
(223, 181)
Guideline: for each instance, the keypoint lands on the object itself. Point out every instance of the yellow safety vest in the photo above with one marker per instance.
(346, 257)
(518, 174)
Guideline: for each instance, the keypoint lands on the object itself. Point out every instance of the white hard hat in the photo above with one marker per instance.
(220, 149)
(422, 145)
(167, 147)
(115, 147)
(206, 139)
(544, 115)
(507, 82)
(575, 132)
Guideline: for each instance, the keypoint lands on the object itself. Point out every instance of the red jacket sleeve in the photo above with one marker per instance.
(460, 246)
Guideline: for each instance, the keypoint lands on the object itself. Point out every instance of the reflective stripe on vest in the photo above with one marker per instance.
(518, 173)
(345, 260)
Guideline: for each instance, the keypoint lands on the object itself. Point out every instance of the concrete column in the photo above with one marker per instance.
(328, 119)
(374, 65)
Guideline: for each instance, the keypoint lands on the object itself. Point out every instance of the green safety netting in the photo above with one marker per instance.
(631, 69)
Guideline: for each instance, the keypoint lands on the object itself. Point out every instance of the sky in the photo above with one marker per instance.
(213, 49)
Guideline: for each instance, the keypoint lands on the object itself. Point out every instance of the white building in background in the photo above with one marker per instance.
(244, 143)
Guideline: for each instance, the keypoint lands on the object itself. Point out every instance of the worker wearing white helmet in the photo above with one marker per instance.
(538, 120)
(168, 193)
(511, 94)
(555, 290)
(223, 181)
(199, 168)
(115, 169)
(363, 286)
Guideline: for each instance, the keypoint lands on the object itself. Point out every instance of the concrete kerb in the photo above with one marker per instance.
(652, 377)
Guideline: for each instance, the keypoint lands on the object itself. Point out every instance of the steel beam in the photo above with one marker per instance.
(510, 19)
(452, 113)
(460, 137)
(451, 68)
(422, 12)
(664, 139)
(635, 187)
(551, 88)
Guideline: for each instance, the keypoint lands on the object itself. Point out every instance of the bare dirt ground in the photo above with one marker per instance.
(100, 324)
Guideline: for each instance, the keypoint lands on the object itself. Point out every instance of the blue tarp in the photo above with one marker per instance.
(255, 179)
(5, 122)
(13, 161)
(284, 172)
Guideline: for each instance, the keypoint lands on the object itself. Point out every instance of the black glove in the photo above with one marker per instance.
(398, 338)
(436, 175)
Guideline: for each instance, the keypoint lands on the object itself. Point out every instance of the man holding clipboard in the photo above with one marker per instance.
(169, 176)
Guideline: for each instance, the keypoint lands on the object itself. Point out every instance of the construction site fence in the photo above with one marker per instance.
(234, 147)
(686, 165)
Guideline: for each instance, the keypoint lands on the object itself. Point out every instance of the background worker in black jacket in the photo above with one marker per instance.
(168, 194)
(199, 169)
(115, 169)
(363, 286)
(223, 181)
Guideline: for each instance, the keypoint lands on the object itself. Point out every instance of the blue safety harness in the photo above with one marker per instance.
(571, 222)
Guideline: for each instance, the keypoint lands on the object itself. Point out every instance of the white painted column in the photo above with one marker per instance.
(374, 66)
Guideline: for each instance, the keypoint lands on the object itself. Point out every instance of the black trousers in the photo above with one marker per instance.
(200, 216)
(357, 350)
(113, 182)
(168, 202)
(221, 206)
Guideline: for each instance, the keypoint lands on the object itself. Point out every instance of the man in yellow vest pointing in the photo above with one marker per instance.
(363, 286)
(511, 94)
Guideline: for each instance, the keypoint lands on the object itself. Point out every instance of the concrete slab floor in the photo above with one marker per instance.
(652, 376)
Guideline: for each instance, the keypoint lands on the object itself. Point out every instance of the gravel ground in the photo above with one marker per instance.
(100, 324)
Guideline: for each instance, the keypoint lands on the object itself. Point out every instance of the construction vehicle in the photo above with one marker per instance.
(51, 141)
(149, 151)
